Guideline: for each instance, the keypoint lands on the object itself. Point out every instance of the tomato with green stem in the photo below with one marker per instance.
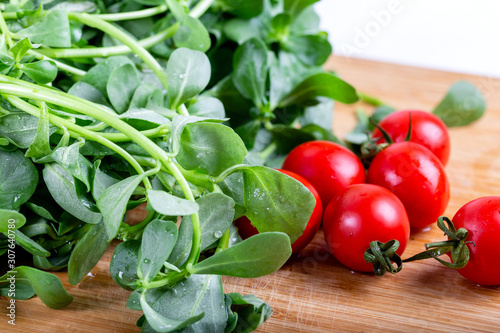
(363, 216)
(328, 166)
(246, 229)
(426, 129)
(416, 177)
(472, 243)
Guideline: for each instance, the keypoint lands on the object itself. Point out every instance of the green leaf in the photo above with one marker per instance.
(462, 105)
(281, 26)
(232, 186)
(178, 124)
(134, 300)
(74, 162)
(41, 211)
(320, 85)
(240, 30)
(20, 129)
(42, 72)
(358, 135)
(163, 324)
(380, 113)
(312, 50)
(143, 94)
(242, 8)
(216, 215)
(123, 81)
(210, 147)
(47, 286)
(52, 30)
(98, 76)
(320, 115)
(171, 205)
(251, 68)
(306, 23)
(124, 263)
(23, 289)
(158, 240)
(30, 245)
(256, 256)
(51, 263)
(18, 179)
(39, 226)
(87, 253)
(88, 92)
(177, 8)
(248, 312)
(235, 105)
(40, 147)
(8, 216)
(248, 132)
(320, 133)
(61, 185)
(295, 7)
(188, 73)
(113, 202)
(192, 34)
(276, 202)
(208, 107)
(196, 295)
(20, 48)
(5, 56)
(101, 181)
(288, 138)
(144, 119)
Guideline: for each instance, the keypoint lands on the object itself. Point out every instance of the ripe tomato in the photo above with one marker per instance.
(416, 176)
(481, 217)
(426, 129)
(246, 229)
(328, 166)
(359, 215)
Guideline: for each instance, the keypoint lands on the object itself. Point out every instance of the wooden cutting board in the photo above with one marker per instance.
(314, 293)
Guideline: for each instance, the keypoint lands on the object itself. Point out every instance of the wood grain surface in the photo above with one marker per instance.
(314, 293)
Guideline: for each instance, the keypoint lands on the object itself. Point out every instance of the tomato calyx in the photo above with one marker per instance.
(456, 246)
(370, 148)
(382, 255)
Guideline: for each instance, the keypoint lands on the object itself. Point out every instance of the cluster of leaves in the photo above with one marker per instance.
(266, 58)
(267, 63)
(88, 133)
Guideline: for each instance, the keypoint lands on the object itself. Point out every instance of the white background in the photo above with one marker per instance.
(453, 35)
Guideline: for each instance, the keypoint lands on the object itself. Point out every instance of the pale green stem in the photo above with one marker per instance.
(111, 50)
(152, 133)
(113, 31)
(134, 15)
(5, 31)
(63, 66)
(40, 88)
(183, 110)
(200, 8)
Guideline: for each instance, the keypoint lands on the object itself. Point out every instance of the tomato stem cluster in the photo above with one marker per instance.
(455, 245)
(382, 255)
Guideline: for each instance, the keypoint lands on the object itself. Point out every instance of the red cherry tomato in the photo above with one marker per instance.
(426, 129)
(359, 215)
(481, 217)
(328, 166)
(246, 229)
(416, 176)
